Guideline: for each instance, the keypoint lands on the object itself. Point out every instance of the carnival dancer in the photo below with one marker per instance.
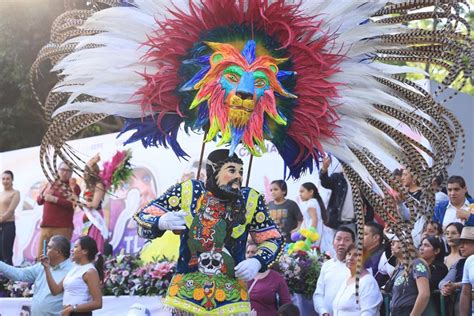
(215, 219)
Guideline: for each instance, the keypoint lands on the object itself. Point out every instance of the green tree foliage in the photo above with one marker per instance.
(25, 27)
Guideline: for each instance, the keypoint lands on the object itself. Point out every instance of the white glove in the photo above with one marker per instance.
(172, 221)
(248, 269)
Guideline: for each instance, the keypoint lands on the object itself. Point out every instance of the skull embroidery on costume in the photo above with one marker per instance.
(210, 263)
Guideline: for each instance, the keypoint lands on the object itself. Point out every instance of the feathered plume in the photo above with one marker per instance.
(117, 170)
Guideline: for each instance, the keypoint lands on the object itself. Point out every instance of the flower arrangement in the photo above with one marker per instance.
(9, 288)
(301, 271)
(301, 262)
(124, 275)
(127, 275)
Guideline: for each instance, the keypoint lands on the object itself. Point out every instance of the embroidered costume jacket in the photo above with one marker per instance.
(213, 243)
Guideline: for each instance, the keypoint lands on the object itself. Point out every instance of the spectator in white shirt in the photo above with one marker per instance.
(82, 284)
(346, 303)
(333, 273)
(467, 246)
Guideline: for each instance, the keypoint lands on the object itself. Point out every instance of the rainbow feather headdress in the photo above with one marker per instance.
(310, 76)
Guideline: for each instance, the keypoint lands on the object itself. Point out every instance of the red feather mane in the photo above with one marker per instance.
(313, 117)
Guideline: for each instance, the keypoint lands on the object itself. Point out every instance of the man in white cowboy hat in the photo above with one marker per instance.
(467, 243)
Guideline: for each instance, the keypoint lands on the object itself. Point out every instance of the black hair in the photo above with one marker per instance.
(397, 172)
(26, 308)
(439, 228)
(288, 309)
(311, 187)
(9, 173)
(438, 180)
(282, 185)
(457, 179)
(376, 229)
(436, 243)
(62, 244)
(345, 229)
(89, 244)
(458, 226)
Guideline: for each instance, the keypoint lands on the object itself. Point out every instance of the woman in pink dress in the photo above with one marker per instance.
(94, 222)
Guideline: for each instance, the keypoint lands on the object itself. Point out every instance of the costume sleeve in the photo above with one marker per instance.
(370, 296)
(148, 217)
(266, 235)
(27, 274)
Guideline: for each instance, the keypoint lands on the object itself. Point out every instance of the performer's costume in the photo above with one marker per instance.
(214, 241)
(311, 76)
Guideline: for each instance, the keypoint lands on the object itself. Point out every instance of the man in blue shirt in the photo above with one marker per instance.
(44, 303)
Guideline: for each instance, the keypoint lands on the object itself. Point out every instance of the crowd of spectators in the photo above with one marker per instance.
(440, 276)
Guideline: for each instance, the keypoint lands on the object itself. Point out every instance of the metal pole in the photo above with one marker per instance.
(248, 172)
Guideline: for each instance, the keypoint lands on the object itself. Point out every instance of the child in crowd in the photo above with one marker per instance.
(313, 210)
(284, 212)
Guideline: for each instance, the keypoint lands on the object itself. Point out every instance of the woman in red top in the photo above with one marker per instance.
(268, 291)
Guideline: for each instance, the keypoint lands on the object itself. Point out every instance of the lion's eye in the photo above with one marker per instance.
(232, 77)
(260, 83)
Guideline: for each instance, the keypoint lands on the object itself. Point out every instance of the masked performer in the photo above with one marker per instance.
(311, 76)
(216, 218)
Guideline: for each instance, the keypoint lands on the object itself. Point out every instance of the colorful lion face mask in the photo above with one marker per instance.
(238, 93)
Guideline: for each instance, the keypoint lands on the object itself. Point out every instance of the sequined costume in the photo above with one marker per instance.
(213, 243)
